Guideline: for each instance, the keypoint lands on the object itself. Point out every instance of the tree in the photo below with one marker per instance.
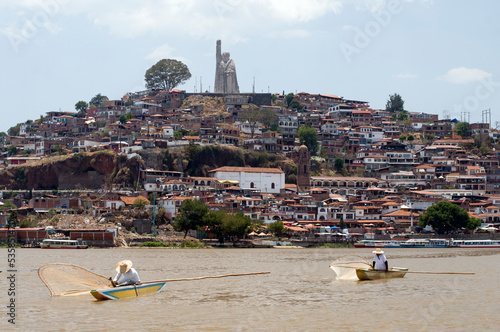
(81, 107)
(14, 131)
(338, 164)
(462, 129)
(235, 225)
(97, 100)
(255, 115)
(12, 150)
(402, 138)
(13, 219)
(213, 220)
(403, 115)
(445, 216)
(191, 215)
(140, 203)
(8, 205)
(277, 228)
(394, 104)
(295, 105)
(342, 224)
(309, 137)
(167, 74)
(410, 138)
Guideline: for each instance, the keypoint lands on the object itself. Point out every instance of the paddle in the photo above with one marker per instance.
(206, 277)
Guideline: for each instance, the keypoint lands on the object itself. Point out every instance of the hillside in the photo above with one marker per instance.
(103, 169)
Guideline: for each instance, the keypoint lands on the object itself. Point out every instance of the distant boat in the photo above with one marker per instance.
(63, 244)
(130, 291)
(426, 243)
(476, 243)
(395, 272)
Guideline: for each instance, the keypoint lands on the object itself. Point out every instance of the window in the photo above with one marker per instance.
(252, 185)
(272, 185)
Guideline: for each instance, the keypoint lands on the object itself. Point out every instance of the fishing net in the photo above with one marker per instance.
(71, 280)
(345, 266)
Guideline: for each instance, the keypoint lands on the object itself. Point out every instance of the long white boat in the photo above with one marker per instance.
(476, 243)
(426, 243)
(63, 244)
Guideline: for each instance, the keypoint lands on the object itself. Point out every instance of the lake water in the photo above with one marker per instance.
(300, 294)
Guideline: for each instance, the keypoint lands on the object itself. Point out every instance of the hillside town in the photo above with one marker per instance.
(379, 170)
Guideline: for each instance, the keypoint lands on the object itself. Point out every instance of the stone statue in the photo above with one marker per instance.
(225, 72)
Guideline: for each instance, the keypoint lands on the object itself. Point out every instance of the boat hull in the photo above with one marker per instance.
(380, 274)
(130, 291)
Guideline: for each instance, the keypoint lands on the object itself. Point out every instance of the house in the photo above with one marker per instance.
(267, 180)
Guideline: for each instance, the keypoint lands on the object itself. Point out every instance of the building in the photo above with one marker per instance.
(267, 180)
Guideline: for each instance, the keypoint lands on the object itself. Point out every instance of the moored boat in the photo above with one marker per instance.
(476, 243)
(63, 244)
(129, 291)
(426, 243)
(394, 272)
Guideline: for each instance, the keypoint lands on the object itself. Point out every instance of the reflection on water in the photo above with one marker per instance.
(300, 294)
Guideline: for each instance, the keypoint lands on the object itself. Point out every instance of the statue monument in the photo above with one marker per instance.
(225, 72)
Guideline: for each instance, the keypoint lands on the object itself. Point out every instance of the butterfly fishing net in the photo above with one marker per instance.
(71, 280)
(345, 266)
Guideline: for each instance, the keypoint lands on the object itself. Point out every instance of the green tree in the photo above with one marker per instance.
(462, 129)
(445, 216)
(256, 115)
(277, 228)
(295, 105)
(14, 131)
(403, 115)
(410, 138)
(3, 137)
(342, 224)
(8, 205)
(81, 107)
(97, 100)
(167, 74)
(13, 219)
(12, 150)
(191, 216)
(339, 165)
(289, 97)
(140, 203)
(402, 138)
(309, 137)
(395, 103)
(235, 225)
(213, 220)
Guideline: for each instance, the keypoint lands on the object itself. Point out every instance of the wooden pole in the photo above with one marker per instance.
(438, 272)
(207, 277)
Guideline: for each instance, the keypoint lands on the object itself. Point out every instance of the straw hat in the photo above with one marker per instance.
(123, 266)
(378, 251)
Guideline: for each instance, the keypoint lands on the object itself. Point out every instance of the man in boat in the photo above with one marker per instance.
(126, 274)
(379, 260)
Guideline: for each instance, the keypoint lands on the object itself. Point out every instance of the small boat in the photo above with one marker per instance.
(395, 272)
(63, 244)
(128, 291)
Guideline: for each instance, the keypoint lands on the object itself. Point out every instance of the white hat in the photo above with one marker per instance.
(378, 251)
(123, 266)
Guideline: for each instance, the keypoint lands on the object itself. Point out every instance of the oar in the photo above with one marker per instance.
(438, 272)
(207, 277)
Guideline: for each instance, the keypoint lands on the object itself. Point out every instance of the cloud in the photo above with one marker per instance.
(164, 52)
(463, 75)
(406, 75)
(288, 34)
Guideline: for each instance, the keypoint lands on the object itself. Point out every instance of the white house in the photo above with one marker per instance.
(267, 180)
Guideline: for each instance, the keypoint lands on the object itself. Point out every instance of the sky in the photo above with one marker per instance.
(441, 56)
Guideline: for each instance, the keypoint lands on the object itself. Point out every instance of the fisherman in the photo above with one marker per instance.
(126, 274)
(379, 260)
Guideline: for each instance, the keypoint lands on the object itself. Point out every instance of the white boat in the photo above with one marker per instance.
(63, 244)
(426, 243)
(476, 243)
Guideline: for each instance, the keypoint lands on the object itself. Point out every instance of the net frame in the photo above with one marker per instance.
(71, 280)
(345, 266)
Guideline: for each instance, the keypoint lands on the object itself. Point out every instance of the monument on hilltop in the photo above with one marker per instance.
(225, 72)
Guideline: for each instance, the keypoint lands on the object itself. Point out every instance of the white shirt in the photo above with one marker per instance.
(128, 278)
(380, 262)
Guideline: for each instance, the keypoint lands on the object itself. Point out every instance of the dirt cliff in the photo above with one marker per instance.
(75, 171)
